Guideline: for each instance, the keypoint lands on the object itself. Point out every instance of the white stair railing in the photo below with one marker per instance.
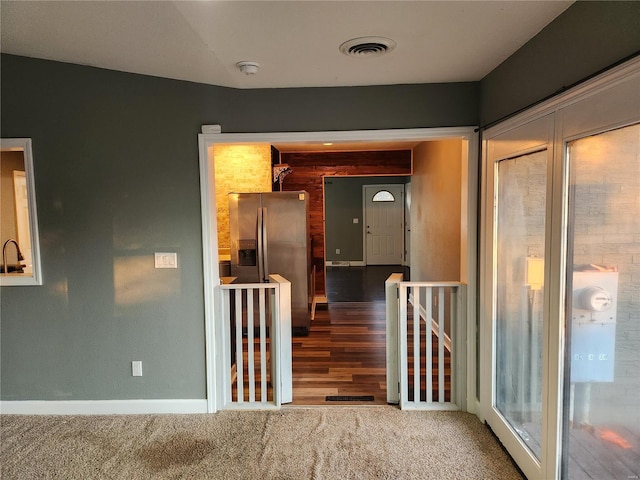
(256, 372)
(439, 308)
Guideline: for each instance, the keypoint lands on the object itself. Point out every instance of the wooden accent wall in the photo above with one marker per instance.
(309, 170)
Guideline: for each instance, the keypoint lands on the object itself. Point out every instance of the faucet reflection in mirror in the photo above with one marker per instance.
(17, 267)
(18, 217)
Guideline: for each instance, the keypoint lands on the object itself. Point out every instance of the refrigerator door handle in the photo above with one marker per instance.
(260, 246)
(265, 247)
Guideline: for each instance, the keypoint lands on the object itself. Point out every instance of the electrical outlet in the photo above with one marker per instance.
(136, 368)
(356, 220)
(337, 251)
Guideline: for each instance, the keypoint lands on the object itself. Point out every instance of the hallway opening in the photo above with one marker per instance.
(343, 359)
(433, 143)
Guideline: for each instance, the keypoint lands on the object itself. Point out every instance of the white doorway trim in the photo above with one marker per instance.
(206, 141)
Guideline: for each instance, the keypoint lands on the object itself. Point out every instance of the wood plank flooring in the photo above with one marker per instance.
(596, 453)
(344, 355)
(360, 284)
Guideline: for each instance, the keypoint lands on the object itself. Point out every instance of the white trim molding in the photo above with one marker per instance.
(345, 263)
(102, 407)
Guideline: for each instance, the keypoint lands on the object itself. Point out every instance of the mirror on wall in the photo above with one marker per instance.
(20, 260)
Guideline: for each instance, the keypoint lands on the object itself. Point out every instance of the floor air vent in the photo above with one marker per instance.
(349, 398)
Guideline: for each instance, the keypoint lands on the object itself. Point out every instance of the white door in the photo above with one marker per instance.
(384, 224)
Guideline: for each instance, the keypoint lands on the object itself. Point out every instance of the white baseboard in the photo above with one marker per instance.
(345, 263)
(101, 407)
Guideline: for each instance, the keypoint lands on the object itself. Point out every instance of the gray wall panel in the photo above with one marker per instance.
(116, 165)
(357, 108)
(117, 179)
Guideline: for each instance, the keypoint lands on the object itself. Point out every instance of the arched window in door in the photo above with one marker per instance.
(384, 196)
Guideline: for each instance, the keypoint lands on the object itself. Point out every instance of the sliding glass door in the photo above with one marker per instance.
(560, 290)
(520, 222)
(602, 370)
(518, 171)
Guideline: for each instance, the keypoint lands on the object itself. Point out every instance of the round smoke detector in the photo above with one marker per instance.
(366, 47)
(248, 68)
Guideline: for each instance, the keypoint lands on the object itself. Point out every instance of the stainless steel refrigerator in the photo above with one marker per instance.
(269, 234)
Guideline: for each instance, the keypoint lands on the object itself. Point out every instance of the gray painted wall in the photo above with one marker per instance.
(116, 165)
(343, 203)
(586, 38)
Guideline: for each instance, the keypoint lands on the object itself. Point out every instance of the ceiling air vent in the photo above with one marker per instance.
(367, 46)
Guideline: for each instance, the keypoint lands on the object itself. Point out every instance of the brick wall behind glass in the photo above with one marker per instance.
(607, 233)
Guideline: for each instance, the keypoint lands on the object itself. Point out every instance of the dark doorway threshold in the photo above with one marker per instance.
(360, 284)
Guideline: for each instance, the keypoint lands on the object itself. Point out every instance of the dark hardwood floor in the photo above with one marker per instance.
(345, 352)
(424, 335)
(344, 355)
(360, 284)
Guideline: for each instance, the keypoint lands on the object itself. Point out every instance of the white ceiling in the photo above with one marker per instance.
(295, 42)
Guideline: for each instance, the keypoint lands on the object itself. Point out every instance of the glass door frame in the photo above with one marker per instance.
(533, 136)
(606, 102)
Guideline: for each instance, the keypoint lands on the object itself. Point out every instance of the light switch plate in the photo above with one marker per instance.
(166, 259)
(356, 220)
(136, 368)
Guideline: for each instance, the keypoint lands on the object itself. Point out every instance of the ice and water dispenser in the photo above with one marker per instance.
(593, 324)
(247, 253)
